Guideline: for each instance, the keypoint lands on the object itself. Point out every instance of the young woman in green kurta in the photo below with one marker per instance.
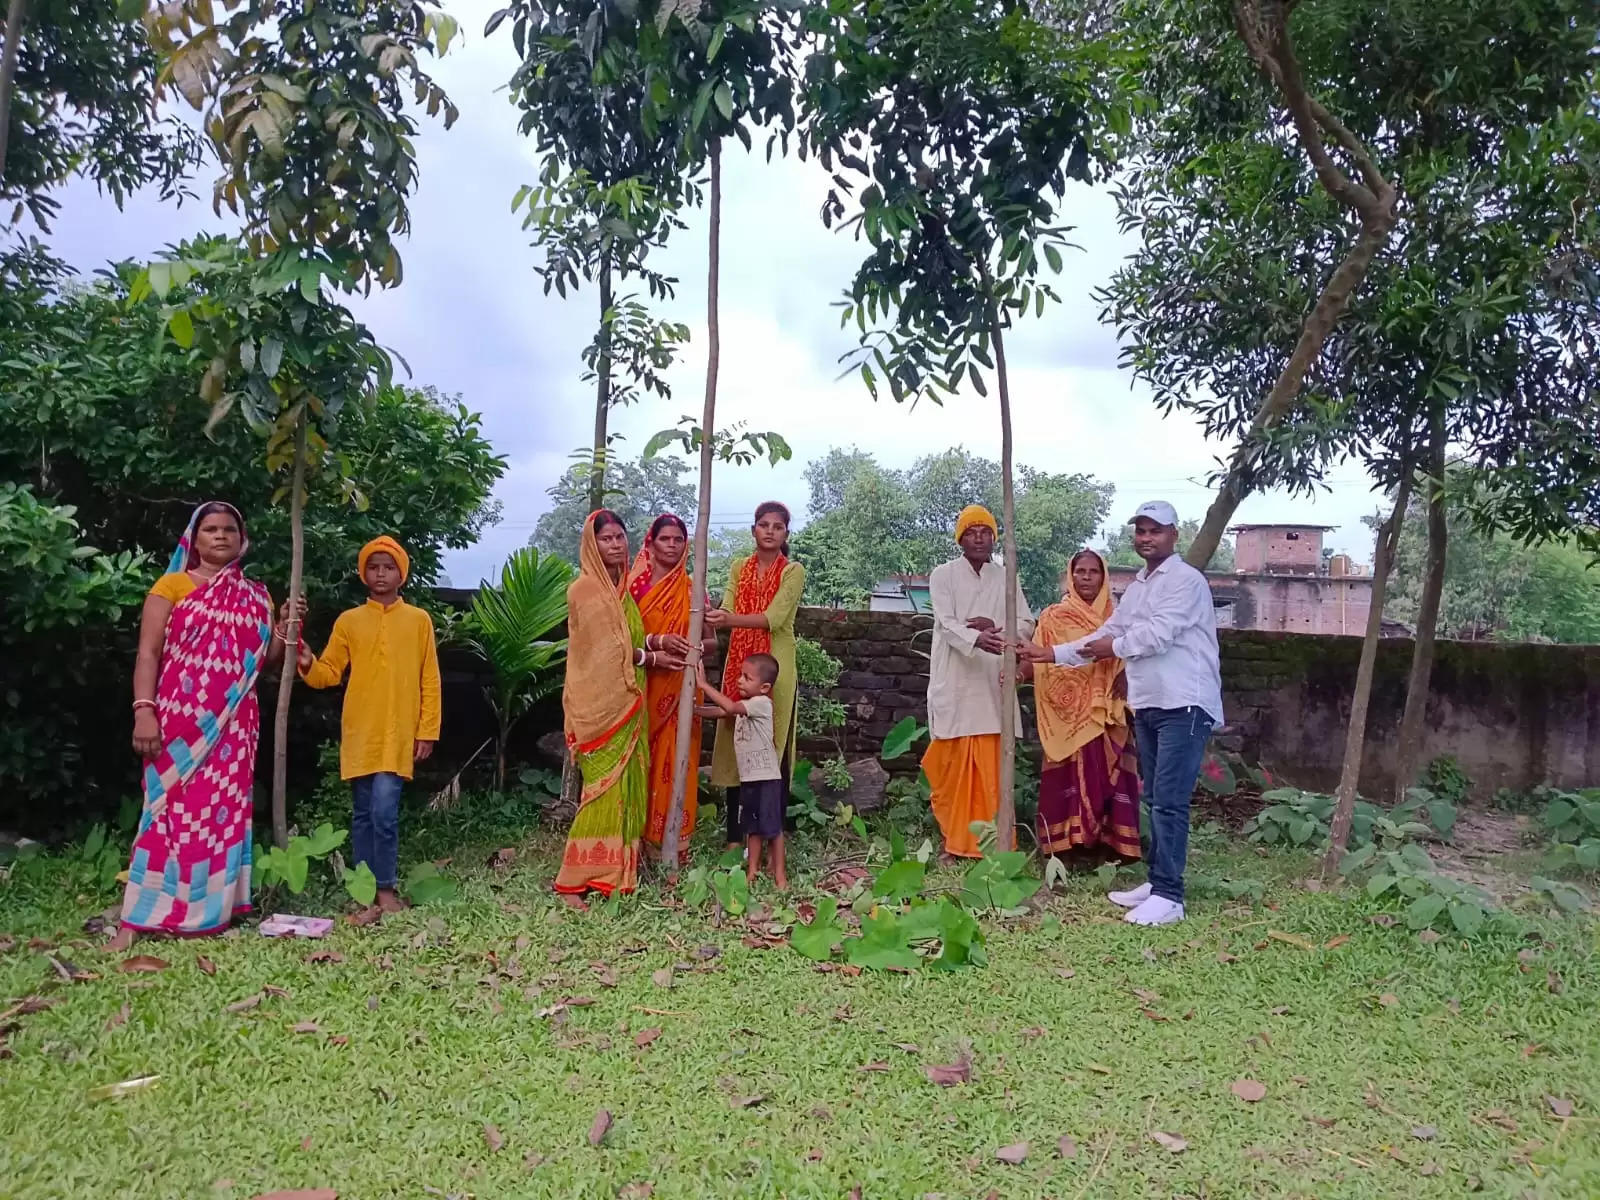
(758, 607)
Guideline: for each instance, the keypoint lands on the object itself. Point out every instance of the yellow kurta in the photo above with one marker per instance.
(393, 697)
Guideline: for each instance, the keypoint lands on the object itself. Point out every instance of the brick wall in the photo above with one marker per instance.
(1268, 548)
(1514, 715)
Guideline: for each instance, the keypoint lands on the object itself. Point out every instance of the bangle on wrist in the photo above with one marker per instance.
(138, 704)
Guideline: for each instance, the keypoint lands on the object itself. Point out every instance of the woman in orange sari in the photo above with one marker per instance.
(1089, 786)
(659, 584)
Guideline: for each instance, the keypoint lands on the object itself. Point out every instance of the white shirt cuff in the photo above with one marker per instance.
(1067, 655)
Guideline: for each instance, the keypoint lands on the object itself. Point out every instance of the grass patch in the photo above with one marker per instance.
(1391, 1066)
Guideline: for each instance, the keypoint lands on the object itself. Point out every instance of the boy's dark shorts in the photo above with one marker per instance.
(762, 803)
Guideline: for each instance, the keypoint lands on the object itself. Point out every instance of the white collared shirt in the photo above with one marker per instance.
(1165, 629)
(963, 681)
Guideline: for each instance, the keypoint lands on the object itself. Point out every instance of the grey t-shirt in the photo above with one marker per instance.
(753, 744)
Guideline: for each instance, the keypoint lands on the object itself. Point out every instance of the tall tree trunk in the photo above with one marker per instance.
(1005, 822)
(1409, 757)
(602, 399)
(16, 18)
(1280, 401)
(291, 649)
(681, 766)
(1356, 734)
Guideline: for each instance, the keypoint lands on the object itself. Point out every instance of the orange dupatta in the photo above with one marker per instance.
(1075, 705)
(664, 608)
(753, 592)
(601, 690)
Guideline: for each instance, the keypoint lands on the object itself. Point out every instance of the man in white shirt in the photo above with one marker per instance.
(1165, 630)
(964, 704)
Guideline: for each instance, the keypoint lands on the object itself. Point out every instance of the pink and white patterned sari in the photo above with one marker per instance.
(190, 869)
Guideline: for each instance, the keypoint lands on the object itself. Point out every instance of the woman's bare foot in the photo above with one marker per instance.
(781, 881)
(122, 940)
(574, 902)
(389, 901)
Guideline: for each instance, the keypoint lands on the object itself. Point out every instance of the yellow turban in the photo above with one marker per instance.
(975, 514)
(388, 546)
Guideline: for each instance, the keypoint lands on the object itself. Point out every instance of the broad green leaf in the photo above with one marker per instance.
(1378, 885)
(816, 940)
(271, 356)
(900, 880)
(294, 867)
(1423, 911)
(901, 738)
(361, 883)
(1559, 813)
(433, 889)
(1466, 917)
(324, 840)
(724, 100)
(182, 327)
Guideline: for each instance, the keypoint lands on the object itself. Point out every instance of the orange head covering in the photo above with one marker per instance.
(388, 546)
(602, 688)
(975, 514)
(1075, 705)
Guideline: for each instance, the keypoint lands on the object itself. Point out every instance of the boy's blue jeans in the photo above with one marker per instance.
(1172, 744)
(375, 825)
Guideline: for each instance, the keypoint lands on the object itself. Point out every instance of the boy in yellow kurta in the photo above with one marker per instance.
(391, 708)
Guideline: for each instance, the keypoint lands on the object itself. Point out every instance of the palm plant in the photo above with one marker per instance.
(507, 627)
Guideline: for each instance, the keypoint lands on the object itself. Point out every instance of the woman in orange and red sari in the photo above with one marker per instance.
(758, 607)
(659, 585)
(1089, 786)
(603, 705)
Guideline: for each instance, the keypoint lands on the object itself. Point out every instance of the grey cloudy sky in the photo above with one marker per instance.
(471, 318)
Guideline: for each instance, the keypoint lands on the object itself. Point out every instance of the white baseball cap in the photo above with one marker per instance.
(1158, 511)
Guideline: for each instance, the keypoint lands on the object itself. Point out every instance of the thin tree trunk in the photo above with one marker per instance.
(602, 399)
(1280, 401)
(1005, 823)
(1356, 734)
(681, 765)
(16, 18)
(1409, 757)
(291, 649)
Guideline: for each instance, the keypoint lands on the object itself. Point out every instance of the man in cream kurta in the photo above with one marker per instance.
(964, 702)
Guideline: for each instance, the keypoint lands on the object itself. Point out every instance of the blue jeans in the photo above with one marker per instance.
(375, 825)
(1172, 743)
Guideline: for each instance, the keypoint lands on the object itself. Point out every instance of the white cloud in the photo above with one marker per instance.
(471, 317)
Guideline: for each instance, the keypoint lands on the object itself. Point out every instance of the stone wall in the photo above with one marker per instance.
(1514, 715)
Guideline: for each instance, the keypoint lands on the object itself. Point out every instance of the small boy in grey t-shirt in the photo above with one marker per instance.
(754, 748)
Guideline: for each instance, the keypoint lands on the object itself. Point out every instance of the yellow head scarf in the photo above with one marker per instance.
(975, 514)
(602, 685)
(389, 546)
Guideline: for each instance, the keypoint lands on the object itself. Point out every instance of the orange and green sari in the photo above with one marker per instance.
(664, 608)
(603, 705)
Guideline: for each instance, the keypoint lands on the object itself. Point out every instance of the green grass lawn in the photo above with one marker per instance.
(432, 1055)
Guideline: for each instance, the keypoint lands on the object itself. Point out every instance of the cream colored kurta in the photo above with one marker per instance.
(963, 681)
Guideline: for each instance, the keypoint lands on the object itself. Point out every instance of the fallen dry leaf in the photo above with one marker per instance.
(324, 956)
(207, 967)
(1171, 1141)
(272, 989)
(1067, 1146)
(366, 916)
(1015, 1154)
(494, 1139)
(1065, 972)
(1384, 920)
(305, 1027)
(120, 1017)
(636, 1191)
(1424, 1133)
(143, 963)
(1429, 936)
(532, 1160)
(1553, 982)
(874, 1066)
(502, 858)
(1325, 1122)
(1224, 957)
(578, 1001)
(605, 975)
(303, 1194)
(950, 1074)
(1559, 1106)
(1429, 1168)
(1148, 954)
(748, 1101)
(1151, 1015)
(814, 1154)
(245, 1005)
(1291, 939)
(1281, 1011)
(1033, 1032)
(1388, 1000)
(662, 978)
(1251, 1091)
(908, 1047)
(1099, 1069)
(599, 1127)
(1336, 942)
(338, 1039)
(645, 1036)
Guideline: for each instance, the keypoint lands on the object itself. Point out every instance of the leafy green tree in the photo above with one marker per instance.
(607, 195)
(961, 121)
(77, 97)
(507, 628)
(64, 603)
(307, 110)
(638, 492)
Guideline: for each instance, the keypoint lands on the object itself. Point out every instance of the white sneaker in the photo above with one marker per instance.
(1131, 898)
(1157, 910)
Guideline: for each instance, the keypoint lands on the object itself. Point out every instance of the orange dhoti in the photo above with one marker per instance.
(964, 776)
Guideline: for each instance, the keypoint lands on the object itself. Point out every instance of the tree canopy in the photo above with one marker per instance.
(638, 491)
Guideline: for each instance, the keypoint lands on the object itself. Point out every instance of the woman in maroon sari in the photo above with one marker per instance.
(1088, 788)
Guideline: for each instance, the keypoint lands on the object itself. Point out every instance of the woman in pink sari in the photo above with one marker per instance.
(204, 637)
